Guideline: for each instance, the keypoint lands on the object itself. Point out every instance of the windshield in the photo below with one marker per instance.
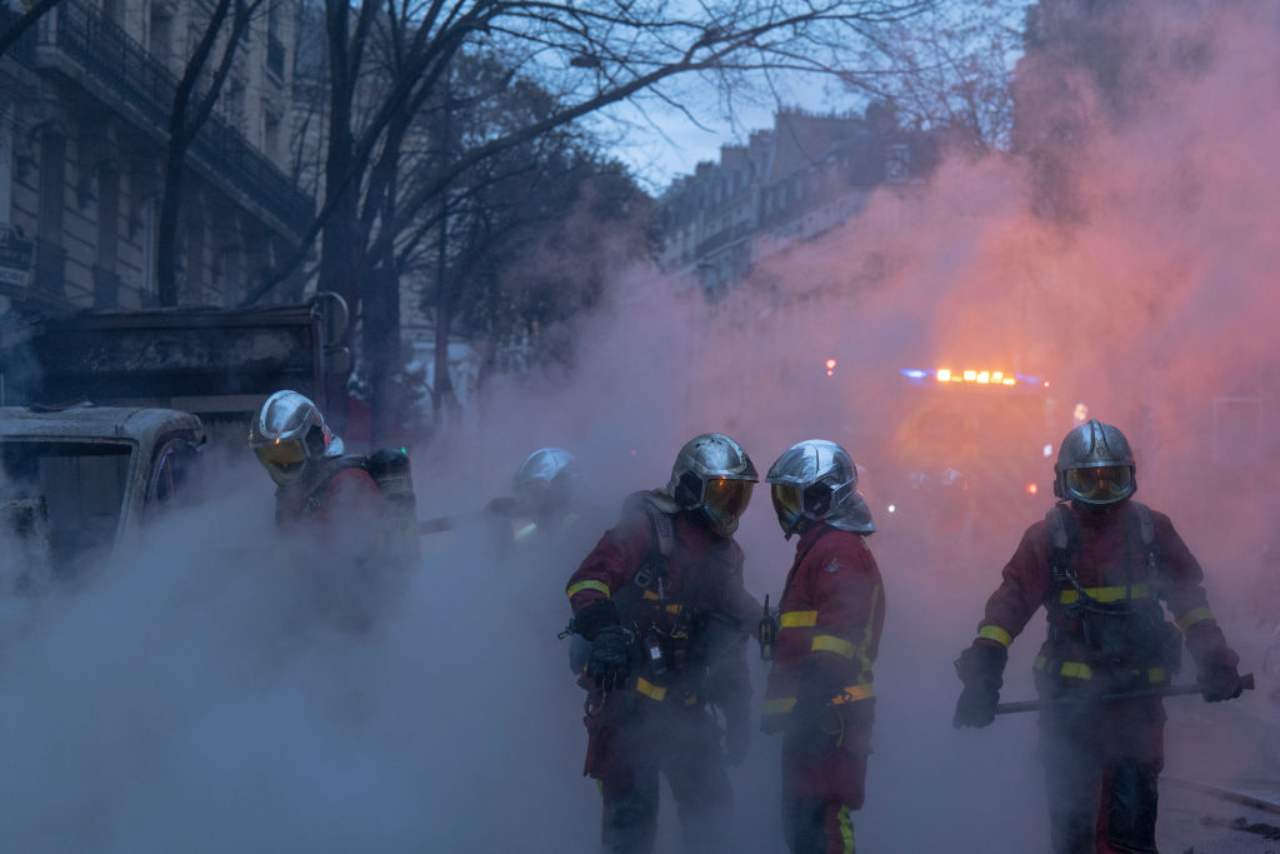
(60, 501)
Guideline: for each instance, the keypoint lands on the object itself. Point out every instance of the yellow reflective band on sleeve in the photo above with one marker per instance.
(648, 689)
(831, 643)
(798, 619)
(1156, 675)
(1076, 670)
(1107, 595)
(854, 694)
(846, 831)
(674, 608)
(996, 634)
(589, 584)
(779, 706)
(650, 596)
(1195, 615)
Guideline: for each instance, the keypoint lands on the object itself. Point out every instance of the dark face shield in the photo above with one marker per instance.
(788, 503)
(724, 501)
(1105, 485)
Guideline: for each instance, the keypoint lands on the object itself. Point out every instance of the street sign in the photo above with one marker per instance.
(16, 257)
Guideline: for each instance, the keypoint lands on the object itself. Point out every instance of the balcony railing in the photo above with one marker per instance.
(111, 56)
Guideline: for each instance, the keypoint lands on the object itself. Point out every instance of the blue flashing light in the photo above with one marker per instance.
(914, 373)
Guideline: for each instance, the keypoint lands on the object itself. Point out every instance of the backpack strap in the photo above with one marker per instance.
(1147, 531)
(1061, 545)
(662, 529)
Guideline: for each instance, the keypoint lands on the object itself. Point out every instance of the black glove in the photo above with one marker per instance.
(610, 661)
(981, 669)
(1220, 683)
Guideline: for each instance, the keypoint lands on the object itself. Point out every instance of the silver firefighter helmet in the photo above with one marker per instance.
(713, 476)
(1095, 465)
(288, 432)
(544, 480)
(816, 481)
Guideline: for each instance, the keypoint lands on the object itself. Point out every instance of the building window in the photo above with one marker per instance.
(275, 41)
(113, 11)
(271, 135)
(160, 37)
(51, 257)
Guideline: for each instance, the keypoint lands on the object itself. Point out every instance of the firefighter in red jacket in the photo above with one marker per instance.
(1101, 564)
(820, 692)
(661, 601)
(314, 478)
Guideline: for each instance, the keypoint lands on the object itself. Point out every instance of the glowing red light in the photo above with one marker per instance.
(1032, 489)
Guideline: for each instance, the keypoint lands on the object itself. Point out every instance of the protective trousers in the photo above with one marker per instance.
(682, 744)
(824, 773)
(1102, 766)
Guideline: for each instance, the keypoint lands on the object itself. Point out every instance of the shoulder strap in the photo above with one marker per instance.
(1147, 530)
(1061, 544)
(662, 527)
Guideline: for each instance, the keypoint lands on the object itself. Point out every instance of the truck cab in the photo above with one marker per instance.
(78, 482)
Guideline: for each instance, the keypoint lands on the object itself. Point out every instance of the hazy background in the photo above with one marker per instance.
(190, 700)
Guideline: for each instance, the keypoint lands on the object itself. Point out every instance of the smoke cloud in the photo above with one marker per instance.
(189, 696)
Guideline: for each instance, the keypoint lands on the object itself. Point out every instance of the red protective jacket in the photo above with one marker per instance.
(831, 617)
(1111, 562)
(329, 497)
(703, 577)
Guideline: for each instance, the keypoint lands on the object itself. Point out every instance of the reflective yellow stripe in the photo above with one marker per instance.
(651, 596)
(798, 619)
(1076, 670)
(653, 692)
(855, 693)
(675, 608)
(831, 643)
(525, 531)
(846, 831)
(1080, 670)
(1107, 594)
(996, 634)
(1195, 615)
(779, 706)
(589, 584)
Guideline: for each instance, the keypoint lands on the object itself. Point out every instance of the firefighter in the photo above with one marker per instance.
(1101, 564)
(661, 600)
(541, 503)
(820, 694)
(314, 477)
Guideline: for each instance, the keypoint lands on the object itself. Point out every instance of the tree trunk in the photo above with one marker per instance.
(167, 239)
(381, 344)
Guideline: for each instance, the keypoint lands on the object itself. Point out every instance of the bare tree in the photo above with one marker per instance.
(951, 71)
(229, 22)
(388, 60)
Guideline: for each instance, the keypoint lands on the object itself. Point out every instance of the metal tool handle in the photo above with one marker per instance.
(1246, 682)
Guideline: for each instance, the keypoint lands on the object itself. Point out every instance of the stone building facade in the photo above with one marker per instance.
(85, 100)
(803, 177)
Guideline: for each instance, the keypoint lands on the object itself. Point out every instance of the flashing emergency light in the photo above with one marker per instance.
(831, 367)
(893, 508)
(1048, 451)
(972, 376)
(1032, 488)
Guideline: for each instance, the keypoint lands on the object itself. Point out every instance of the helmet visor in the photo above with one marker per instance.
(725, 498)
(284, 456)
(788, 500)
(1100, 485)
